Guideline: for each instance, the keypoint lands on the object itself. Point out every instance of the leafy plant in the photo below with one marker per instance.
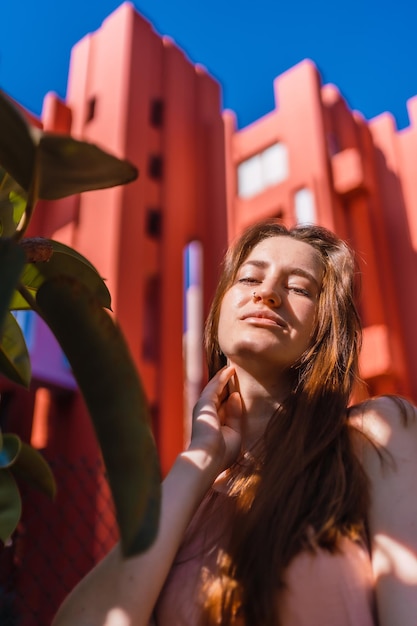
(65, 289)
(19, 460)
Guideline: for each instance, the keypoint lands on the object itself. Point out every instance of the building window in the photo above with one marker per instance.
(91, 110)
(304, 205)
(157, 113)
(154, 223)
(265, 169)
(155, 165)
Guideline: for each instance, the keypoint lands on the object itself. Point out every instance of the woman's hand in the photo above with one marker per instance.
(127, 589)
(217, 421)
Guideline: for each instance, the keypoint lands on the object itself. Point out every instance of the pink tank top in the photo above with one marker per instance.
(322, 589)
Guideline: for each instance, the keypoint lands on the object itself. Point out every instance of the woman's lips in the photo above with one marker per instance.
(264, 317)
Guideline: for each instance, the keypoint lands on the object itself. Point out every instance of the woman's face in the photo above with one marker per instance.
(271, 329)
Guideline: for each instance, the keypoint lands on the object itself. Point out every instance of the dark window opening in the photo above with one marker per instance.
(91, 109)
(155, 166)
(154, 223)
(157, 113)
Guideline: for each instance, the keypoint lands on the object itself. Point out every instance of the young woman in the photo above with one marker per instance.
(288, 508)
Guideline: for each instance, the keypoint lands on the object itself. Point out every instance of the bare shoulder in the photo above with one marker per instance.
(388, 422)
(387, 448)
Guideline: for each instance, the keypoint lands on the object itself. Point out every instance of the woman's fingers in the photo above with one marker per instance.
(213, 394)
(218, 385)
(216, 419)
(232, 429)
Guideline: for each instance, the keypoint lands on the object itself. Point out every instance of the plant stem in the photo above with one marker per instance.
(25, 293)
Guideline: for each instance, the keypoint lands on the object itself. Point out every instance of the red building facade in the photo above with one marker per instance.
(201, 182)
(312, 159)
(137, 95)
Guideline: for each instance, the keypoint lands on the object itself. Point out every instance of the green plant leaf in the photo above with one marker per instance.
(12, 261)
(10, 450)
(14, 355)
(31, 467)
(12, 204)
(51, 166)
(103, 367)
(60, 261)
(67, 166)
(34, 244)
(10, 505)
(17, 147)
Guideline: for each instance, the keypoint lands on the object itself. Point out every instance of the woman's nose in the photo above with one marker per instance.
(268, 295)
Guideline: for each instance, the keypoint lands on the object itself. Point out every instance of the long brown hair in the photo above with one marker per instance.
(311, 487)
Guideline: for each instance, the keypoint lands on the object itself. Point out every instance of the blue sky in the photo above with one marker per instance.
(367, 48)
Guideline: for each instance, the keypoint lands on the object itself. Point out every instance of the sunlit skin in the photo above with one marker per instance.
(264, 334)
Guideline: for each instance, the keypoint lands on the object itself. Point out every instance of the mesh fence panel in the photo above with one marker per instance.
(56, 543)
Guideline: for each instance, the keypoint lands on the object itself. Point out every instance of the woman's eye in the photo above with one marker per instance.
(248, 280)
(299, 290)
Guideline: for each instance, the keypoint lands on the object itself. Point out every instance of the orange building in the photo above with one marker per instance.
(159, 242)
(138, 96)
(314, 160)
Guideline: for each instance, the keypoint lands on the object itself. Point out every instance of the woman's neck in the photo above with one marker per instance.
(260, 399)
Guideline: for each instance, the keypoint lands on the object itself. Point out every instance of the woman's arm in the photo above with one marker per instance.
(393, 513)
(121, 592)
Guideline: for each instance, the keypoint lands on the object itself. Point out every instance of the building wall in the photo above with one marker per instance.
(354, 177)
(137, 95)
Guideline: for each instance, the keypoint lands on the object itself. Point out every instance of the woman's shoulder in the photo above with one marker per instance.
(386, 443)
(387, 449)
(386, 421)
